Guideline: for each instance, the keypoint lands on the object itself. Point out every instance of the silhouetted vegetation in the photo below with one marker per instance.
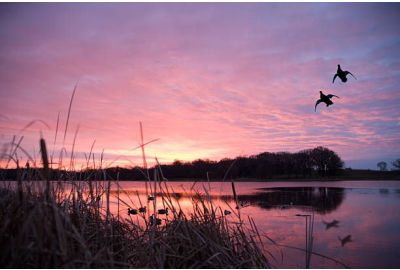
(58, 227)
(317, 162)
(382, 165)
(396, 164)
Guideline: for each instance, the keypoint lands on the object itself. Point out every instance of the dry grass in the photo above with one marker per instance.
(68, 224)
(70, 231)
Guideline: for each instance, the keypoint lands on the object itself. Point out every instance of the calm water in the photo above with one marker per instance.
(368, 211)
(365, 212)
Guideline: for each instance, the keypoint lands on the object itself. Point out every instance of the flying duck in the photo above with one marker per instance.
(342, 74)
(324, 98)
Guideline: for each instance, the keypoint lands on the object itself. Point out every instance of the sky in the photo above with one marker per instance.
(209, 80)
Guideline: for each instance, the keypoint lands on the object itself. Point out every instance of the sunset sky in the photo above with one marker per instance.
(209, 80)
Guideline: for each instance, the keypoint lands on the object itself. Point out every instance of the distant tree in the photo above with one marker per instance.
(325, 161)
(396, 164)
(177, 162)
(382, 165)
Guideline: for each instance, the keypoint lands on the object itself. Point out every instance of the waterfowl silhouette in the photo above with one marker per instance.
(163, 211)
(342, 74)
(324, 98)
(227, 212)
(345, 240)
(150, 198)
(132, 211)
(331, 224)
(154, 220)
(142, 209)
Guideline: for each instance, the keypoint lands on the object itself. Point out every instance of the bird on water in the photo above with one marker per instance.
(342, 74)
(163, 211)
(154, 220)
(132, 211)
(324, 98)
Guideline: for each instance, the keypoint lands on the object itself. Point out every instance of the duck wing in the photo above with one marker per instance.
(334, 77)
(331, 96)
(316, 104)
(348, 72)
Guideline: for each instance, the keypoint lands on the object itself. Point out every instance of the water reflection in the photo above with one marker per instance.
(356, 223)
(357, 226)
(332, 224)
(322, 200)
(345, 240)
(384, 191)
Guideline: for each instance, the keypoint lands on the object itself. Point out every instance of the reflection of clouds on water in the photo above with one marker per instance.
(384, 191)
(319, 199)
(367, 210)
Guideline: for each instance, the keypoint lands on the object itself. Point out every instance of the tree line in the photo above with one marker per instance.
(316, 162)
(383, 166)
(319, 161)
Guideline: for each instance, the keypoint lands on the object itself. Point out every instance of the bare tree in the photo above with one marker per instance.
(382, 165)
(396, 164)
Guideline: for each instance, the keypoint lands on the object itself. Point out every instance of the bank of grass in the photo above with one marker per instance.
(40, 228)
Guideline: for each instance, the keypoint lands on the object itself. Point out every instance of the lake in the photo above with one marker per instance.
(355, 222)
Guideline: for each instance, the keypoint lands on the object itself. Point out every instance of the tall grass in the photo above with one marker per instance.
(68, 224)
(72, 230)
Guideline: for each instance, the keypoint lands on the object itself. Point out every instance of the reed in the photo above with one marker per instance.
(69, 111)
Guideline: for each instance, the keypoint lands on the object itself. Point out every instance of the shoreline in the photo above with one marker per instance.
(242, 180)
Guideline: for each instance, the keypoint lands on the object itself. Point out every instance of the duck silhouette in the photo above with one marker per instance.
(345, 240)
(163, 211)
(132, 211)
(324, 98)
(154, 220)
(342, 74)
(332, 224)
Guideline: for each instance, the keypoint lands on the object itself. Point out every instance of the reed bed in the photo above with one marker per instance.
(68, 224)
(72, 231)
